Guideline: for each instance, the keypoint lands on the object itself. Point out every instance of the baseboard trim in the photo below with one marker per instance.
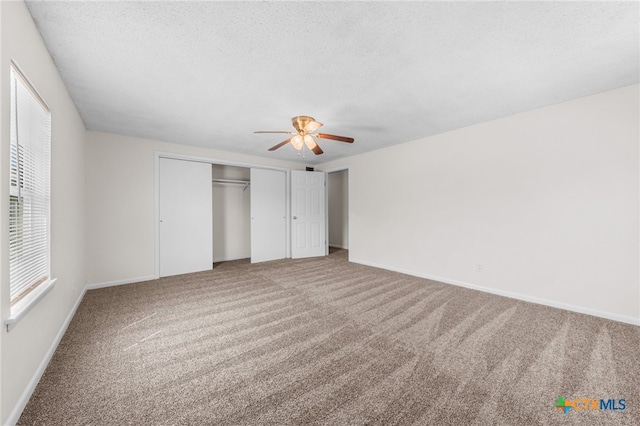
(339, 246)
(28, 392)
(119, 282)
(512, 295)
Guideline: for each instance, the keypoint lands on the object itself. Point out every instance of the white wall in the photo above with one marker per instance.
(25, 350)
(120, 222)
(547, 201)
(231, 215)
(338, 200)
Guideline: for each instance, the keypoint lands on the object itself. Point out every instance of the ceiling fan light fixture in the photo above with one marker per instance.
(312, 126)
(309, 141)
(297, 142)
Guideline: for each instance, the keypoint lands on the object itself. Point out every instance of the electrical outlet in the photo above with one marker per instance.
(479, 267)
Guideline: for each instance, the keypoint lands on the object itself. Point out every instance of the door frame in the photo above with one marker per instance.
(326, 203)
(213, 161)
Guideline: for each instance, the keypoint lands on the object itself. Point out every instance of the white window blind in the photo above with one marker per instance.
(29, 193)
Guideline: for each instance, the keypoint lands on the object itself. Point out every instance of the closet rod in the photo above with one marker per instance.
(243, 182)
(246, 183)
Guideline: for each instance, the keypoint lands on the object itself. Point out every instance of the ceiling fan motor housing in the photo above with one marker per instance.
(301, 121)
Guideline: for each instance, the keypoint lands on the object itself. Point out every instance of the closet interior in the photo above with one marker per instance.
(231, 188)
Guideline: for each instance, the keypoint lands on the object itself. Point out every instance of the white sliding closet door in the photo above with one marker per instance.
(308, 230)
(268, 215)
(186, 226)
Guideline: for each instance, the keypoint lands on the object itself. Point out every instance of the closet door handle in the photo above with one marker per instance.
(295, 217)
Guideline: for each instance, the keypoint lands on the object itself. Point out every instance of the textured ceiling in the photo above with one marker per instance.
(211, 73)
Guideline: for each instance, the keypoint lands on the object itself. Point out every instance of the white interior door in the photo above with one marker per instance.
(185, 213)
(268, 215)
(308, 235)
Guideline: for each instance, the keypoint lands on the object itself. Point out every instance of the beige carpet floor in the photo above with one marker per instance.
(324, 341)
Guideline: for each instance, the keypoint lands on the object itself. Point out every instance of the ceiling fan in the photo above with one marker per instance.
(304, 135)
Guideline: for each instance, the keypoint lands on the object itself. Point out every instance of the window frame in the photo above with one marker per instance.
(27, 294)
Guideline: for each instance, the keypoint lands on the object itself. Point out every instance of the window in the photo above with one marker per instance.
(29, 200)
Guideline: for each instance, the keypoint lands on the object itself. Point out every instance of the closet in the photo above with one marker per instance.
(208, 212)
(231, 189)
(249, 214)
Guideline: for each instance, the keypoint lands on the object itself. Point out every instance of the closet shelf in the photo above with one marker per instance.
(245, 183)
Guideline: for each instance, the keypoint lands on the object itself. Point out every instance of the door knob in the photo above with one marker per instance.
(295, 217)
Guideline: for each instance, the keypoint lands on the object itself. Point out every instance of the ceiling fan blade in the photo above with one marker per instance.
(334, 137)
(283, 143)
(274, 131)
(317, 150)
